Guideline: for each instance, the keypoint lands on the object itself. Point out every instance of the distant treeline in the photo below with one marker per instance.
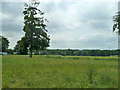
(71, 52)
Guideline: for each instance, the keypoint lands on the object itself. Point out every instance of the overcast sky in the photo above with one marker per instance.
(73, 25)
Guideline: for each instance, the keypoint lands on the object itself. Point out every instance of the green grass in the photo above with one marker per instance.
(59, 72)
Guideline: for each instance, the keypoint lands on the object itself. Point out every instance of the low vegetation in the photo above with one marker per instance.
(59, 71)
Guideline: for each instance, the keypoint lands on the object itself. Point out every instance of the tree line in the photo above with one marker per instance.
(71, 52)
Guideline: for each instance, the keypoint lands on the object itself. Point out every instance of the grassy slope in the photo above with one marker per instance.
(60, 72)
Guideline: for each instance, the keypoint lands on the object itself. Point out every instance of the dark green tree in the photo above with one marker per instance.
(4, 43)
(35, 28)
(17, 48)
(21, 47)
(9, 51)
(116, 25)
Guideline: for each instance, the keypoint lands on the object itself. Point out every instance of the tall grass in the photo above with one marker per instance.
(59, 72)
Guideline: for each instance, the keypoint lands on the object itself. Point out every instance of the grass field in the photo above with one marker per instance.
(59, 72)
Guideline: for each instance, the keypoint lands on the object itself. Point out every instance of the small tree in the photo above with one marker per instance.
(35, 28)
(9, 51)
(4, 43)
(21, 47)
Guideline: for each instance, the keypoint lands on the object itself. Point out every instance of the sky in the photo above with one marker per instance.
(72, 25)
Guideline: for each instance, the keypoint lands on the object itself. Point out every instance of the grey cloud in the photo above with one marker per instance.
(12, 11)
(100, 41)
(47, 7)
(100, 24)
(99, 11)
(90, 43)
(94, 15)
(13, 8)
(12, 24)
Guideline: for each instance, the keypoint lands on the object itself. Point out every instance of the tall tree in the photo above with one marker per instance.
(4, 43)
(116, 19)
(35, 27)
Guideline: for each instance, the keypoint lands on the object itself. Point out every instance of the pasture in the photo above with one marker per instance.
(20, 71)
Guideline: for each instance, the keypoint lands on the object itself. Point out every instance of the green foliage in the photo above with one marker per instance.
(9, 51)
(35, 28)
(21, 47)
(72, 52)
(59, 72)
(4, 43)
(116, 19)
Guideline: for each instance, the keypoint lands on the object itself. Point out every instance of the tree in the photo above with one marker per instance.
(21, 47)
(116, 19)
(4, 43)
(9, 51)
(35, 28)
(17, 48)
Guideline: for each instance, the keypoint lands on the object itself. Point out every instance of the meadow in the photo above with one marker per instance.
(20, 71)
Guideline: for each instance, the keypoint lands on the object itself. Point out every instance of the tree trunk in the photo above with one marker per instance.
(31, 51)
